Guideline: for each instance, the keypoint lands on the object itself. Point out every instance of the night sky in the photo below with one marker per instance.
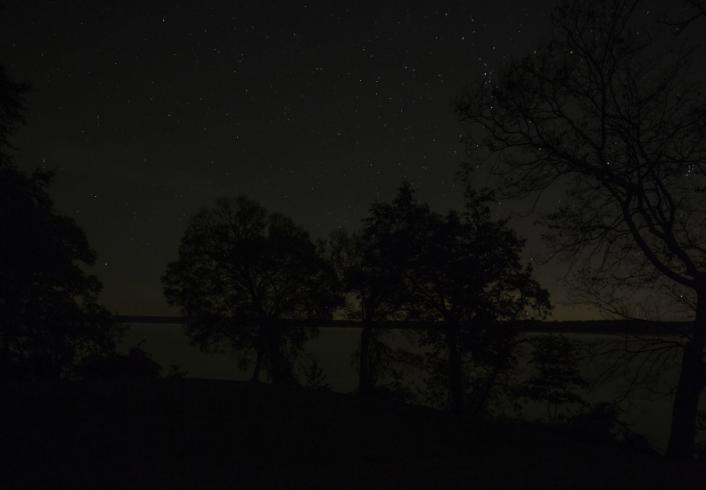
(151, 110)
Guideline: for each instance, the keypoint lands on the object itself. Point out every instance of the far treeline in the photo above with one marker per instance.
(609, 112)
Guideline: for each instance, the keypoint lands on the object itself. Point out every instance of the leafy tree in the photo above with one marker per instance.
(241, 271)
(610, 112)
(371, 264)
(464, 271)
(49, 315)
(346, 253)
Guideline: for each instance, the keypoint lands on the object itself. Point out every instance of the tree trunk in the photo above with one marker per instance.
(365, 382)
(280, 368)
(481, 397)
(4, 355)
(455, 368)
(258, 363)
(691, 383)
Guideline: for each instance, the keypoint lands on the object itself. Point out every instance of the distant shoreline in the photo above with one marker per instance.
(608, 327)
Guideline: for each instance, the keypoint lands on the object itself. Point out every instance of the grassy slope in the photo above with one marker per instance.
(219, 434)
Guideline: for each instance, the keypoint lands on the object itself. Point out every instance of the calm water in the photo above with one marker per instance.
(647, 407)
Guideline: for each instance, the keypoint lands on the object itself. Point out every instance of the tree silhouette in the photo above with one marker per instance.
(241, 271)
(49, 317)
(608, 111)
(371, 266)
(557, 376)
(346, 252)
(695, 11)
(314, 376)
(464, 271)
(12, 106)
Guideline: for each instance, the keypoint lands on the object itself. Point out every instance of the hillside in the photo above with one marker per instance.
(189, 434)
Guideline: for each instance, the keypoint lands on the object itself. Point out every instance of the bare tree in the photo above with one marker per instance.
(695, 10)
(610, 111)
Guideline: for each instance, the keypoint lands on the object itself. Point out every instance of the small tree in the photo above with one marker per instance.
(557, 377)
(314, 375)
(241, 271)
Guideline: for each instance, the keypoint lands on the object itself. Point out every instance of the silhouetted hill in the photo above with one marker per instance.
(188, 433)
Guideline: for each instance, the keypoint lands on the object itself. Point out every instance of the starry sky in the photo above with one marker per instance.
(150, 110)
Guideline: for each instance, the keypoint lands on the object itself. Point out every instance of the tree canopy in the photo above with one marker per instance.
(463, 270)
(49, 315)
(371, 264)
(241, 270)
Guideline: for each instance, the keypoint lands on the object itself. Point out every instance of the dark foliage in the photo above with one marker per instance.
(12, 107)
(49, 315)
(241, 271)
(371, 265)
(557, 378)
(464, 271)
(136, 364)
(314, 376)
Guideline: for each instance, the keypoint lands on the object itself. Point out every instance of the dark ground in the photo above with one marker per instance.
(184, 434)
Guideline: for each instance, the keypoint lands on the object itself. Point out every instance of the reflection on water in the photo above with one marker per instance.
(647, 406)
(169, 346)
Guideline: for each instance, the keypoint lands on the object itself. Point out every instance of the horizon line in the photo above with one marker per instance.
(617, 326)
